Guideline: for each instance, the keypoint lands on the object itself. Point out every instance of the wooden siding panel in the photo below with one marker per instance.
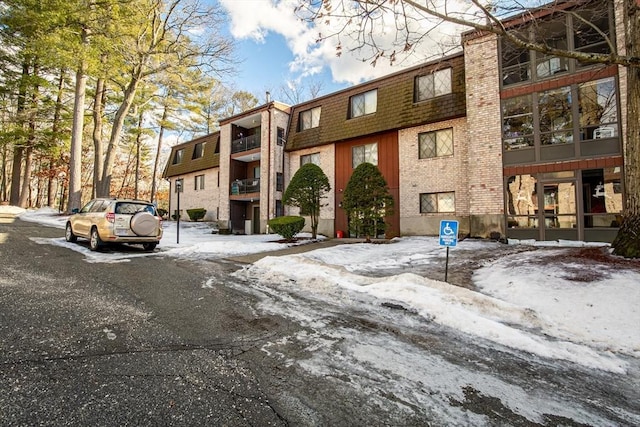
(388, 163)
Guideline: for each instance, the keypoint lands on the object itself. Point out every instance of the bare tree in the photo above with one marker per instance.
(414, 23)
(295, 92)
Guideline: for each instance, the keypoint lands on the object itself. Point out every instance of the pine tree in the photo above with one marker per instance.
(306, 190)
(367, 201)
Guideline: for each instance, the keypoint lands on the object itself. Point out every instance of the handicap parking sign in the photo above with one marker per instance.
(448, 232)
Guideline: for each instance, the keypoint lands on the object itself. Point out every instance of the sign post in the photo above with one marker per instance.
(448, 237)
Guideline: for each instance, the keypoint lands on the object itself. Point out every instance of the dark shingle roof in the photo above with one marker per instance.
(210, 158)
(396, 108)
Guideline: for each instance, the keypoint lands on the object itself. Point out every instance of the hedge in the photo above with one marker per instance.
(287, 226)
(196, 213)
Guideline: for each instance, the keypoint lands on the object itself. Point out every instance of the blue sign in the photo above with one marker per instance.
(448, 232)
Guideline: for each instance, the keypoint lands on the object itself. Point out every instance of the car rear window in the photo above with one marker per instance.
(129, 208)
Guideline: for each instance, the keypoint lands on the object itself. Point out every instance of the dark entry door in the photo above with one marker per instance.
(256, 220)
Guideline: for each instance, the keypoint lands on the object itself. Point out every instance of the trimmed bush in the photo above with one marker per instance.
(287, 226)
(196, 214)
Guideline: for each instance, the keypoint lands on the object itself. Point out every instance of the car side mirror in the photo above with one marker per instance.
(75, 210)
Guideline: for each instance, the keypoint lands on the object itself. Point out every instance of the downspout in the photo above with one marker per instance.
(270, 104)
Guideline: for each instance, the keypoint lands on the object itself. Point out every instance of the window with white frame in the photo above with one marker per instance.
(310, 158)
(437, 202)
(435, 144)
(433, 85)
(199, 182)
(364, 154)
(364, 103)
(310, 118)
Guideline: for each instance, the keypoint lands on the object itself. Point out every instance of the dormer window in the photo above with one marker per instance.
(198, 151)
(310, 118)
(177, 157)
(364, 103)
(433, 85)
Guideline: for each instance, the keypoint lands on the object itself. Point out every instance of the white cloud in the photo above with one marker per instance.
(254, 19)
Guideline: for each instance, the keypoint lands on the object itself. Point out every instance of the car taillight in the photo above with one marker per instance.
(159, 222)
(111, 217)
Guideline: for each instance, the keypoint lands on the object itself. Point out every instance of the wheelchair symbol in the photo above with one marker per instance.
(447, 230)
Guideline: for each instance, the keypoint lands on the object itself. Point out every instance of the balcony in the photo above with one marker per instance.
(245, 143)
(240, 187)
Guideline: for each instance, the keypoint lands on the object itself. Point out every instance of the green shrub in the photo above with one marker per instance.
(196, 214)
(287, 226)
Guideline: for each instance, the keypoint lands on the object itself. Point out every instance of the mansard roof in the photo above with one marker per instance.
(210, 158)
(396, 107)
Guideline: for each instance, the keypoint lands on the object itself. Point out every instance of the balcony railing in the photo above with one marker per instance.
(244, 186)
(245, 143)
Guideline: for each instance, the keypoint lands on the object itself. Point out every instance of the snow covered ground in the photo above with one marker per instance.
(525, 301)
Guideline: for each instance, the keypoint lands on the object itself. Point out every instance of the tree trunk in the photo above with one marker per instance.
(116, 132)
(18, 150)
(98, 146)
(154, 188)
(75, 162)
(627, 242)
(138, 143)
(16, 172)
(26, 180)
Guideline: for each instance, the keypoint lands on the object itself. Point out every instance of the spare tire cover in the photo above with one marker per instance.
(144, 224)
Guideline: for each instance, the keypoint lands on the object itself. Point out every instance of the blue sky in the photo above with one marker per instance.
(277, 47)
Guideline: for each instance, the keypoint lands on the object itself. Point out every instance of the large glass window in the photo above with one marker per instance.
(554, 35)
(364, 154)
(432, 85)
(584, 29)
(435, 144)
(556, 122)
(437, 202)
(591, 30)
(364, 103)
(598, 109)
(516, 65)
(310, 118)
(517, 122)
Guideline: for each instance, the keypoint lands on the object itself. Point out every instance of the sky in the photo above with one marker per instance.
(276, 46)
(534, 303)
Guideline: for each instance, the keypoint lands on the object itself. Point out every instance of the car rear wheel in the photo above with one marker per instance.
(94, 240)
(149, 246)
(68, 234)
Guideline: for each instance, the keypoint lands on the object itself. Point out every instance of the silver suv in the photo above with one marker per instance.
(105, 221)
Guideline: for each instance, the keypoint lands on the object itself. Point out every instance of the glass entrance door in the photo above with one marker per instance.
(559, 201)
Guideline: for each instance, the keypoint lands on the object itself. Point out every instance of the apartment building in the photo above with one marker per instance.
(241, 170)
(509, 142)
